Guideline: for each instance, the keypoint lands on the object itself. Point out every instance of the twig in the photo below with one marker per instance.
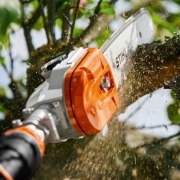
(27, 30)
(72, 27)
(11, 61)
(35, 16)
(160, 141)
(66, 25)
(51, 19)
(151, 127)
(92, 22)
(67, 20)
(41, 4)
(136, 110)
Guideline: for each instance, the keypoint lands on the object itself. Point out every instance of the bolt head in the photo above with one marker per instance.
(105, 84)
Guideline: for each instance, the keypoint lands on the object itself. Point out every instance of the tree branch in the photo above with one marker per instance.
(45, 22)
(66, 23)
(151, 127)
(35, 16)
(11, 61)
(93, 30)
(51, 5)
(70, 44)
(159, 141)
(153, 64)
(93, 20)
(27, 30)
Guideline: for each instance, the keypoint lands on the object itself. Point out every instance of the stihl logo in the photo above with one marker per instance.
(121, 58)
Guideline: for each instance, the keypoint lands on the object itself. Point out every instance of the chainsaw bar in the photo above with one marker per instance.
(137, 30)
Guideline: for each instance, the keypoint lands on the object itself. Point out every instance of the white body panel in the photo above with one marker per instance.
(137, 30)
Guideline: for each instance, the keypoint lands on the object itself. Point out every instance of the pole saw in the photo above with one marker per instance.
(77, 98)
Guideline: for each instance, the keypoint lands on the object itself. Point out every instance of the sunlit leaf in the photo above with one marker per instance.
(38, 24)
(103, 37)
(86, 12)
(2, 61)
(2, 109)
(9, 12)
(59, 23)
(160, 22)
(173, 110)
(2, 92)
(106, 8)
(77, 32)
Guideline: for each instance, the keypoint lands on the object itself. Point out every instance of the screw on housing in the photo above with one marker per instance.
(28, 110)
(16, 123)
(105, 84)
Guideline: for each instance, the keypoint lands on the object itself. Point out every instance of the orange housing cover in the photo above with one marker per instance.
(88, 105)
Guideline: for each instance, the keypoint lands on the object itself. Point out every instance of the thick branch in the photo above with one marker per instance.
(153, 64)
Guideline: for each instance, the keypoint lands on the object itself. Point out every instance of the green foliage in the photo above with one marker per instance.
(77, 32)
(38, 24)
(173, 110)
(86, 12)
(174, 19)
(9, 13)
(2, 109)
(2, 62)
(59, 23)
(2, 92)
(162, 23)
(106, 8)
(103, 37)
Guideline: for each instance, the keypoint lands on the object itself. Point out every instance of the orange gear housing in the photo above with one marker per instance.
(89, 106)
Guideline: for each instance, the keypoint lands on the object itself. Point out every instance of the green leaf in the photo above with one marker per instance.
(35, 4)
(103, 37)
(2, 61)
(38, 25)
(173, 110)
(160, 22)
(86, 13)
(9, 12)
(2, 92)
(174, 113)
(106, 8)
(59, 23)
(2, 109)
(77, 32)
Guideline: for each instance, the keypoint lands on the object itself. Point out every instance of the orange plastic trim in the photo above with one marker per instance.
(88, 105)
(29, 132)
(5, 173)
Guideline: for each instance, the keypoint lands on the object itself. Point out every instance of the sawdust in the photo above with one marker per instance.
(111, 157)
(152, 65)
